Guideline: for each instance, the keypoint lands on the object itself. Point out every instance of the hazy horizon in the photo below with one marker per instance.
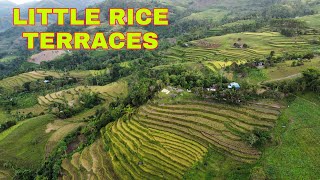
(22, 1)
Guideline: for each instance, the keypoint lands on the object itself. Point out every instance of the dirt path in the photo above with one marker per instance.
(284, 78)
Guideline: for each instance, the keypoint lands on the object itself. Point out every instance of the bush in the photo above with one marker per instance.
(258, 138)
(7, 125)
(89, 99)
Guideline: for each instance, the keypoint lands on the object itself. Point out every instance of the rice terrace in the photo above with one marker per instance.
(231, 92)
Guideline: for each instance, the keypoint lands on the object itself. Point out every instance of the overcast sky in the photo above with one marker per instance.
(21, 1)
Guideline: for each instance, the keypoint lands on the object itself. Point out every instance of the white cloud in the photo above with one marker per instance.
(22, 1)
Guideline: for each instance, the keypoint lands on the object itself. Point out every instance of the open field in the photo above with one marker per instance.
(24, 144)
(283, 70)
(45, 56)
(312, 21)
(296, 154)
(213, 15)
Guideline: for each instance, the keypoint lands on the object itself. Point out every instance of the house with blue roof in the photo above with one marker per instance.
(234, 85)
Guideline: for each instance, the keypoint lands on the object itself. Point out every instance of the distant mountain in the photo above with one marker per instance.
(6, 7)
(5, 14)
(79, 4)
(6, 4)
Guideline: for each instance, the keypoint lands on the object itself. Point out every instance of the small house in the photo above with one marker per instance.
(166, 91)
(214, 88)
(234, 85)
(46, 81)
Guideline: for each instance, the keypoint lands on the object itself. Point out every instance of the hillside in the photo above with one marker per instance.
(232, 92)
(6, 11)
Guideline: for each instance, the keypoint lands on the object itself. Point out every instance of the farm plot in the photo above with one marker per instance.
(4, 174)
(70, 96)
(259, 46)
(11, 83)
(211, 124)
(147, 153)
(217, 65)
(165, 141)
(92, 163)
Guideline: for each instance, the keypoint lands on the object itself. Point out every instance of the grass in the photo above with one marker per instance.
(24, 143)
(214, 15)
(296, 155)
(216, 166)
(285, 69)
(312, 21)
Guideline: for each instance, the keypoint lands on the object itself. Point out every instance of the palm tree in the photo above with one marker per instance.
(129, 111)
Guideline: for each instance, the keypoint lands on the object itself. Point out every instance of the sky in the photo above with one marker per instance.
(21, 1)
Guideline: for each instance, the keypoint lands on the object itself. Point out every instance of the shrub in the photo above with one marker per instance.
(258, 138)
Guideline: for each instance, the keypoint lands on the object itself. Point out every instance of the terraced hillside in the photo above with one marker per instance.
(217, 65)
(166, 140)
(17, 81)
(92, 163)
(70, 96)
(221, 48)
(4, 175)
(209, 123)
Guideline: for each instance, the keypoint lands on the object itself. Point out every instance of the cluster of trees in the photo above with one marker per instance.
(287, 9)
(89, 99)
(184, 77)
(7, 125)
(53, 84)
(64, 110)
(257, 138)
(14, 67)
(289, 27)
(236, 27)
